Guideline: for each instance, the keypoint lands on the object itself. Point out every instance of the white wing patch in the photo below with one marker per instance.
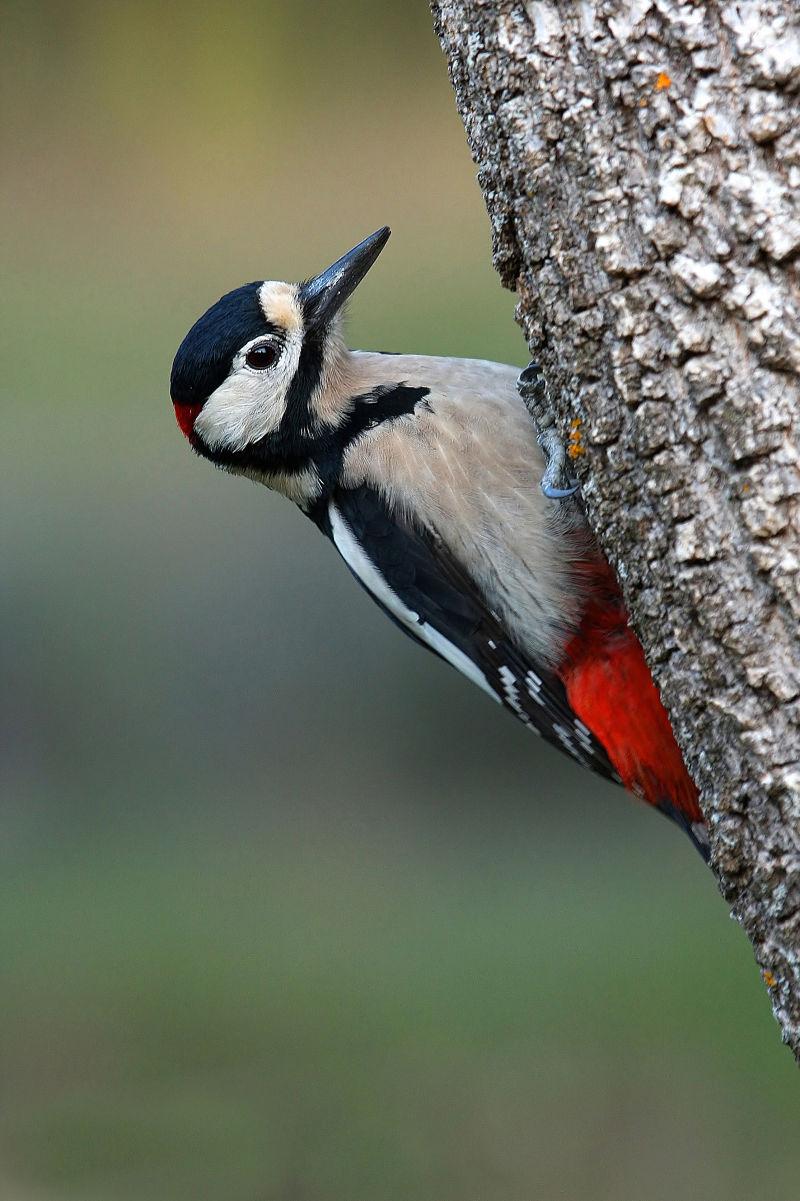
(509, 682)
(366, 571)
(583, 734)
(534, 685)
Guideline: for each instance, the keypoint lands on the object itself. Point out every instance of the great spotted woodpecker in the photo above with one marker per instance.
(425, 474)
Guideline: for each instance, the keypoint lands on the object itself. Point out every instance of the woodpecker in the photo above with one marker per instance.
(425, 475)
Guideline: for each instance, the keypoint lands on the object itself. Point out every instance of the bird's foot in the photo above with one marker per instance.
(557, 483)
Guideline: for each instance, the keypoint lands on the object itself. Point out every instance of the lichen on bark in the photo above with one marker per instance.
(640, 162)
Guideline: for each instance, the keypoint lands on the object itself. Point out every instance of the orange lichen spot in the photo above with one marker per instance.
(575, 447)
(769, 978)
(746, 487)
(663, 81)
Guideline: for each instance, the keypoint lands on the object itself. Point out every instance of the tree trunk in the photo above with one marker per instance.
(640, 161)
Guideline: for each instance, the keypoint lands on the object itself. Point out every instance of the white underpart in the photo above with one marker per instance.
(366, 571)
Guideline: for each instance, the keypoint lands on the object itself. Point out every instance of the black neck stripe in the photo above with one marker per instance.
(297, 416)
(294, 447)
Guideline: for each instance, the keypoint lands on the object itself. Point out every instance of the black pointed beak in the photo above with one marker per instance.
(323, 296)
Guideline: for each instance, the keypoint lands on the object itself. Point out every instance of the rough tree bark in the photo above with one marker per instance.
(640, 161)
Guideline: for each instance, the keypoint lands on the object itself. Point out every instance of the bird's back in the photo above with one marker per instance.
(466, 465)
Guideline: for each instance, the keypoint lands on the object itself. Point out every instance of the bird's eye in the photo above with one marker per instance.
(261, 357)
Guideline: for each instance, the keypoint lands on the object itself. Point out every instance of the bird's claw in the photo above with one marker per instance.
(556, 483)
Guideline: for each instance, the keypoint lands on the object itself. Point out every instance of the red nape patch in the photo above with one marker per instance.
(610, 689)
(185, 416)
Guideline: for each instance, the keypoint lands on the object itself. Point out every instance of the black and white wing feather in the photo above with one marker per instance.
(415, 580)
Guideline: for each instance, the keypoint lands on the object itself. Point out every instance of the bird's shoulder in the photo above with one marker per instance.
(461, 382)
(462, 420)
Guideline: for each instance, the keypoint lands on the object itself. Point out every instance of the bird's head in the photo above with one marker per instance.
(250, 380)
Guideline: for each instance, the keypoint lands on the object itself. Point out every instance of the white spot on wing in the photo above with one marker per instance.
(565, 738)
(509, 682)
(366, 571)
(584, 735)
(534, 685)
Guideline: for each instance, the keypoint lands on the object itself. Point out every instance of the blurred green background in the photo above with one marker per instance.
(290, 912)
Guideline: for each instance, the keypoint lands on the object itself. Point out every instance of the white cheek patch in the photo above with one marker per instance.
(249, 404)
(363, 567)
